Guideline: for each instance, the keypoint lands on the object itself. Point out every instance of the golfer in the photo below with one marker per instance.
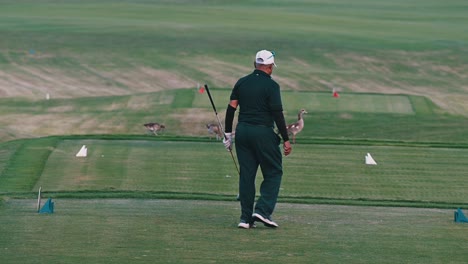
(259, 99)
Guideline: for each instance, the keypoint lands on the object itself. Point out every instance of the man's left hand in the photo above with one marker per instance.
(287, 148)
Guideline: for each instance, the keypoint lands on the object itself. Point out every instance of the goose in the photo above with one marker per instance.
(295, 128)
(214, 129)
(154, 127)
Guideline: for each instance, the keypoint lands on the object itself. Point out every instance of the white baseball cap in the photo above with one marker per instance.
(265, 57)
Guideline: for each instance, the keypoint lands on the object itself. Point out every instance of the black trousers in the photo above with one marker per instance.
(258, 146)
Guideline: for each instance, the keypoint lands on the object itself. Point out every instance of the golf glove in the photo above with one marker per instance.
(227, 141)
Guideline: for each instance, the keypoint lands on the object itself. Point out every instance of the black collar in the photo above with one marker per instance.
(256, 71)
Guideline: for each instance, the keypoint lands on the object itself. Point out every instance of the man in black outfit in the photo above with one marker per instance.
(259, 99)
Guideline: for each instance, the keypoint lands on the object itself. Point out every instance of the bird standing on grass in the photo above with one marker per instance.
(295, 128)
(213, 129)
(154, 127)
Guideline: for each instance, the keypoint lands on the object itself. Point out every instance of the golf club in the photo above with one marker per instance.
(220, 125)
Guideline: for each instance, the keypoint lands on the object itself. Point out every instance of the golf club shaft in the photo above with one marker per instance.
(220, 125)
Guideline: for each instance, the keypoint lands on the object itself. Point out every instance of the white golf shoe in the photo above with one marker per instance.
(267, 222)
(245, 225)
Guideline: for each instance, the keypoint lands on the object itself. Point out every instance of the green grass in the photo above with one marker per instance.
(185, 112)
(23, 168)
(408, 174)
(134, 165)
(324, 102)
(171, 231)
(111, 66)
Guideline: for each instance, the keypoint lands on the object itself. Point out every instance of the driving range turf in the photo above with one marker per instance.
(188, 231)
(110, 66)
(173, 200)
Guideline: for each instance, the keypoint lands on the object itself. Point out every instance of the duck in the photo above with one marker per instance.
(296, 127)
(154, 127)
(213, 129)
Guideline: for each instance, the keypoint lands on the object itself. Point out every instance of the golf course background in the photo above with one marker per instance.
(76, 73)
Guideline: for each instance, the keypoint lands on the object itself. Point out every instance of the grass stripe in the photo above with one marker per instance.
(325, 102)
(25, 165)
(416, 175)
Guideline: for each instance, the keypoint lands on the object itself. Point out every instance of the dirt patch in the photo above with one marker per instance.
(61, 109)
(401, 72)
(144, 102)
(36, 82)
(360, 62)
(24, 125)
(193, 121)
(346, 116)
(354, 72)
(145, 79)
(219, 73)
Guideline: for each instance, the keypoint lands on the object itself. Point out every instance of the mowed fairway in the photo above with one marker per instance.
(174, 231)
(325, 102)
(415, 175)
(140, 166)
(185, 112)
(160, 201)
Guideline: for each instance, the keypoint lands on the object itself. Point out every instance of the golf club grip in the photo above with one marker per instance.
(211, 99)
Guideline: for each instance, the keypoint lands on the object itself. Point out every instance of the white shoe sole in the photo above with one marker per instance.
(243, 225)
(246, 226)
(264, 220)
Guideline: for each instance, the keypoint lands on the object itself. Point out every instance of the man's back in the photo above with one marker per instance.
(258, 96)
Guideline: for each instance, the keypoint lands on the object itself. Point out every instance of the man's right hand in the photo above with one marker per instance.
(227, 141)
